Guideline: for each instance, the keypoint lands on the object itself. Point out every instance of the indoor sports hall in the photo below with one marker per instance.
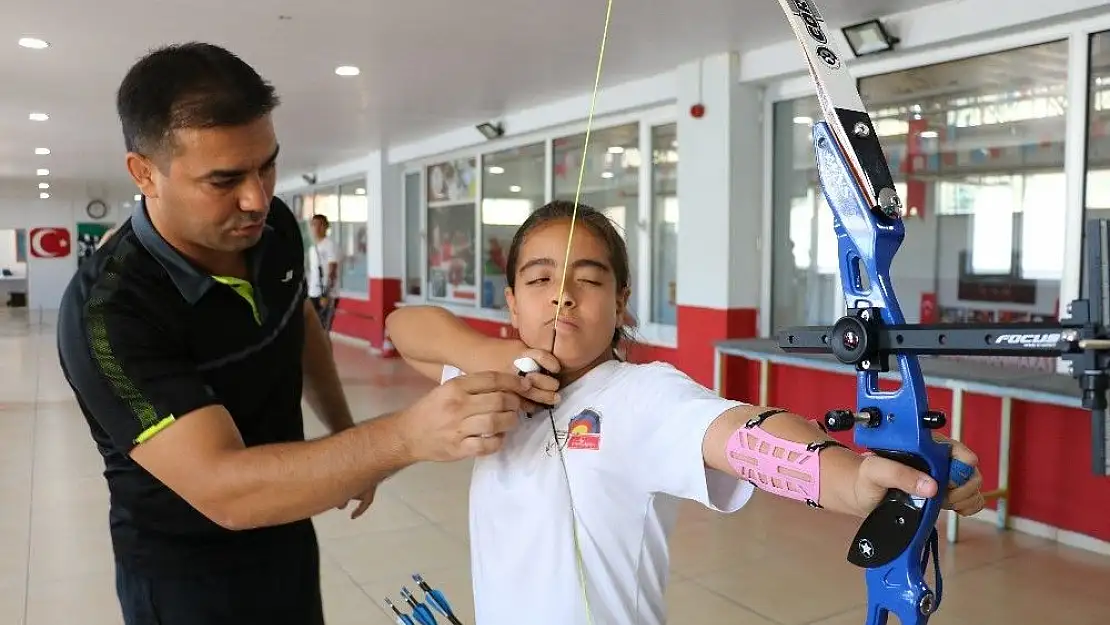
(775, 172)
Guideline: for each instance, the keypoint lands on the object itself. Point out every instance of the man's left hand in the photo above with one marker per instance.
(365, 499)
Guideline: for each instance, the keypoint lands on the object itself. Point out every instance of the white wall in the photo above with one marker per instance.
(48, 277)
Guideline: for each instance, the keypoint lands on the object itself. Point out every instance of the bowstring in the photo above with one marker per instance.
(559, 304)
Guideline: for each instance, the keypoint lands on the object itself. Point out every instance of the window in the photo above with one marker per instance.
(414, 233)
(349, 235)
(976, 147)
(512, 187)
(610, 183)
(452, 226)
(1097, 197)
(664, 224)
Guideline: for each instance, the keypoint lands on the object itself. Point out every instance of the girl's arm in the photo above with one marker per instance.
(845, 481)
(429, 337)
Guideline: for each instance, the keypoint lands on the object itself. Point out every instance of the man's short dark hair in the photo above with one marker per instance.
(189, 85)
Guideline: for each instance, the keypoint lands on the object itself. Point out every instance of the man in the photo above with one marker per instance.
(187, 339)
(323, 270)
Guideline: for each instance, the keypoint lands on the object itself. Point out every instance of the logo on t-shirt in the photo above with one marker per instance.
(584, 431)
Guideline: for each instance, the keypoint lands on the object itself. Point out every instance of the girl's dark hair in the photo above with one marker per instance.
(591, 218)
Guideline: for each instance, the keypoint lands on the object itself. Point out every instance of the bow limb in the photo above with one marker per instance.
(895, 541)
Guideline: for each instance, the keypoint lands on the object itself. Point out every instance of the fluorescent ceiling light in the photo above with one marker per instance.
(42, 151)
(42, 172)
(44, 196)
(802, 120)
(33, 43)
(928, 134)
(606, 174)
(44, 185)
(514, 189)
(347, 70)
(616, 149)
(38, 117)
(496, 170)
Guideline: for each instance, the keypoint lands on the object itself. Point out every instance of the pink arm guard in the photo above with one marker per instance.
(776, 465)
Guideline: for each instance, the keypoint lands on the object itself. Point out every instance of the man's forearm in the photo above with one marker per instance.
(431, 334)
(281, 483)
(839, 466)
(322, 389)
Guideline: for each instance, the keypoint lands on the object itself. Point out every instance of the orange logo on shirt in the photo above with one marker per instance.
(584, 431)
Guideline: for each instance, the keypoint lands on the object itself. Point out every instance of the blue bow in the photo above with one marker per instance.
(895, 542)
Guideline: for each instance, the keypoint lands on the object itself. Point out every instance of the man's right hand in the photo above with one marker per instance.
(467, 416)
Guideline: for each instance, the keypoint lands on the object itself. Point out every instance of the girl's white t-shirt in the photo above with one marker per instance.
(632, 438)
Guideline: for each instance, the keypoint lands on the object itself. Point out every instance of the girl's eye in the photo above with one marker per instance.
(590, 282)
(540, 280)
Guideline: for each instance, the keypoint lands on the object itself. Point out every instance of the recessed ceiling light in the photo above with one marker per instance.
(42, 172)
(42, 151)
(496, 170)
(38, 117)
(44, 185)
(515, 188)
(33, 43)
(347, 70)
(44, 196)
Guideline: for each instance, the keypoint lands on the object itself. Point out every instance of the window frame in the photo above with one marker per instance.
(646, 118)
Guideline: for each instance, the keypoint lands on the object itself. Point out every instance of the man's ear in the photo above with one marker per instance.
(142, 173)
(510, 299)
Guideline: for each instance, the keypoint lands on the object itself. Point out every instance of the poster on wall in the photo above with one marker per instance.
(451, 273)
(88, 236)
(452, 181)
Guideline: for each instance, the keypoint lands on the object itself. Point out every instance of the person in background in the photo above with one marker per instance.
(323, 271)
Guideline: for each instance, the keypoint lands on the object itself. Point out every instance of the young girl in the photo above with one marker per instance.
(569, 519)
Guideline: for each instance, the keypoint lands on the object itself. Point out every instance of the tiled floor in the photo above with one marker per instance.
(774, 562)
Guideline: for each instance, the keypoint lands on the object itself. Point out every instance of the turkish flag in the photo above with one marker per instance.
(50, 242)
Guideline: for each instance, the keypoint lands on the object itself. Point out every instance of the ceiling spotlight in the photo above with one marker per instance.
(490, 131)
(44, 196)
(42, 151)
(38, 117)
(515, 188)
(44, 185)
(42, 172)
(347, 70)
(33, 43)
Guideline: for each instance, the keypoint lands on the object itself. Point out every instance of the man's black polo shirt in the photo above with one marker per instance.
(146, 337)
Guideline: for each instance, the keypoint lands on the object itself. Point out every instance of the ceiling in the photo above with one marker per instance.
(426, 66)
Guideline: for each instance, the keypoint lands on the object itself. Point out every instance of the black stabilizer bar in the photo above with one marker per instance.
(1082, 339)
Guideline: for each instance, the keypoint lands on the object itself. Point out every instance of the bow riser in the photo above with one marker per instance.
(892, 540)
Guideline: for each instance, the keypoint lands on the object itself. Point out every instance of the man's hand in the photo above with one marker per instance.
(877, 475)
(365, 499)
(467, 416)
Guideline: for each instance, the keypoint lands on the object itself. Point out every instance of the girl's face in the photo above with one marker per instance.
(592, 306)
